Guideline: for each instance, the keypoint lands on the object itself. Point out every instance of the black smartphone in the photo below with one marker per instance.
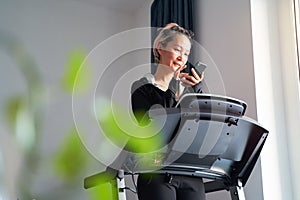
(199, 68)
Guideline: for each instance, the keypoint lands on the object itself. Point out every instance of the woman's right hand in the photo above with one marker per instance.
(177, 73)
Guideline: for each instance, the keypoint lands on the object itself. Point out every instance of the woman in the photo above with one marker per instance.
(171, 50)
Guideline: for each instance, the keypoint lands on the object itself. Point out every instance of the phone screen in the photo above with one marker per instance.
(199, 67)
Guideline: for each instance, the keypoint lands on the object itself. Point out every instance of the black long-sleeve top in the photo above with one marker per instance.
(145, 94)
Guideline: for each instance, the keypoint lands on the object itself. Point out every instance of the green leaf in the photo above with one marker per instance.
(12, 108)
(71, 159)
(76, 75)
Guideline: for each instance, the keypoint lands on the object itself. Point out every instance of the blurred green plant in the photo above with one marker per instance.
(105, 187)
(12, 108)
(24, 114)
(76, 71)
(105, 191)
(118, 128)
(24, 111)
(21, 121)
(71, 158)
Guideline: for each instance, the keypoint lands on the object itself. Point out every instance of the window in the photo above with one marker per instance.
(297, 28)
(276, 53)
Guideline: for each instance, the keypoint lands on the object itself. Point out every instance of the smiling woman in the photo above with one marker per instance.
(171, 49)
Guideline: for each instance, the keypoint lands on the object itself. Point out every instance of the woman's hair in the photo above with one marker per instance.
(166, 35)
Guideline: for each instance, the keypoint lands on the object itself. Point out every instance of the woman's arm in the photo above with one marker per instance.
(140, 103)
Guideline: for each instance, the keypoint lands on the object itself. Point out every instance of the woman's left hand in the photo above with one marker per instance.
(191, 80)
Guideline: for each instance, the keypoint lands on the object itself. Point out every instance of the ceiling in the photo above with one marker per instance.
(119, 5)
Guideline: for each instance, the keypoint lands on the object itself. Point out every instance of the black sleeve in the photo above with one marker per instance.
(194, 89)
(198, 88)
(140, 103)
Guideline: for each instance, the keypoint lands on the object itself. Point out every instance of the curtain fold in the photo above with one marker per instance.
(167, 11)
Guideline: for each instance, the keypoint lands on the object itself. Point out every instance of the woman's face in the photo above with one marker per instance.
(175, 53)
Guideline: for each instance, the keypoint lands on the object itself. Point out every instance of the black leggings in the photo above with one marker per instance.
(170, 187)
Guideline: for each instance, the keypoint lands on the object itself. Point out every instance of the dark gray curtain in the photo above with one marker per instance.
(167, 11)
